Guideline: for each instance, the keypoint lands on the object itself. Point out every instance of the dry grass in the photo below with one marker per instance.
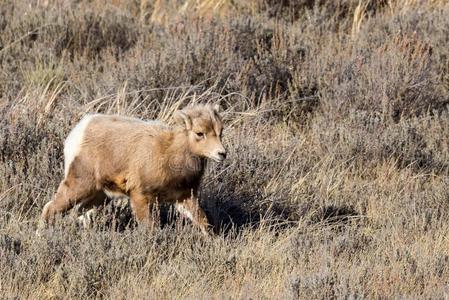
(359, 16)
(336, 123)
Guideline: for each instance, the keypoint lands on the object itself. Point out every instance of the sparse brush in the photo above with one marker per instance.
(403, 5)
(336, 124)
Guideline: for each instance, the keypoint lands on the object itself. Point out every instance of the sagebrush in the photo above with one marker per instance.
(336, 123)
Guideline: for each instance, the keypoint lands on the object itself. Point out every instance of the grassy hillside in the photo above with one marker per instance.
(337, 128)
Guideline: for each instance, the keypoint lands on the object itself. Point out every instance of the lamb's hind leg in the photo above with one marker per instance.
(72, 190)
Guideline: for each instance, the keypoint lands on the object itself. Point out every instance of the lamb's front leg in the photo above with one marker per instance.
(142, 206)
(191, 209)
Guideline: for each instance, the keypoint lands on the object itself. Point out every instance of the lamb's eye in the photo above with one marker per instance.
(200, 134)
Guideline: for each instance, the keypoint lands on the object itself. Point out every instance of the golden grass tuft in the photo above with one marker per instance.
(358, 18)
(168, 10)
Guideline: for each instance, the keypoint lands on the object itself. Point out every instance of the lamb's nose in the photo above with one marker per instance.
(222, 154)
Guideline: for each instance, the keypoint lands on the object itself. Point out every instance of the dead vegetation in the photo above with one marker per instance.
(336, 183)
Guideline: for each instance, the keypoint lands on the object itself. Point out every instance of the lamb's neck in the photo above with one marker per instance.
(181, 158)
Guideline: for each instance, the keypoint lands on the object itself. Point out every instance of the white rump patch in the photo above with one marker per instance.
(72, 145)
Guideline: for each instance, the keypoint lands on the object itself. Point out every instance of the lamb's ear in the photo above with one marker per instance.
(183, 119)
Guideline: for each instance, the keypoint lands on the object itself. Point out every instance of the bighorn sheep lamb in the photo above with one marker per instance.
(150, 162)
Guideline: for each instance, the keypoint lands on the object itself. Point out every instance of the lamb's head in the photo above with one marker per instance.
(203, 127)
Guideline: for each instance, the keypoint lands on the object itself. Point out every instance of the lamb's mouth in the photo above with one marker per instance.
(217, 159)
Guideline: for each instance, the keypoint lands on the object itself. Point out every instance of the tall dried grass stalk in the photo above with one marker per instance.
(358, 18)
